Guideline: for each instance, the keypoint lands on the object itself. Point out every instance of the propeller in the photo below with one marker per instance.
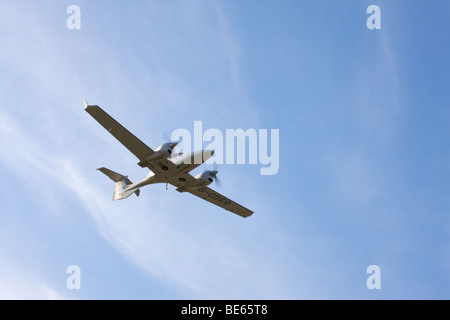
(216, 179)
(173, 144)
(166, 137)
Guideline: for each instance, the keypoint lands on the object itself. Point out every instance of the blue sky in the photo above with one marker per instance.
(364, 149)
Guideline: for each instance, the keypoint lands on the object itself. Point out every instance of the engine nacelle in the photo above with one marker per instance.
(205, 178)
(164, 151)
(201, 180)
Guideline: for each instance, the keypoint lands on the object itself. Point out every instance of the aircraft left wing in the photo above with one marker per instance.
(130, 141)
(219, 200)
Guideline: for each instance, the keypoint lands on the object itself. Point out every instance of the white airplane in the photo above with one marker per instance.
(164, 167)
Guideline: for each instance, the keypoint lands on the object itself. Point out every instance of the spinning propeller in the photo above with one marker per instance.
(214, 173)
(172, 143)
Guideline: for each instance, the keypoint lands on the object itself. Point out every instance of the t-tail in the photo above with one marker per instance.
(123, 187)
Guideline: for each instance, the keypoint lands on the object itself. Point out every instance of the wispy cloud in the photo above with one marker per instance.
(18, 282)
(50, 151)
(154, 234)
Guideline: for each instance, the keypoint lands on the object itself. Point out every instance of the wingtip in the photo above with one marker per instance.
(85, 103)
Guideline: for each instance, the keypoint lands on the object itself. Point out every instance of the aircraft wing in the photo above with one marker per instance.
(219, 200)
(136, 146)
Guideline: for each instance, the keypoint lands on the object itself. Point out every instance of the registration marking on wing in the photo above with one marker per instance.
(215, 196)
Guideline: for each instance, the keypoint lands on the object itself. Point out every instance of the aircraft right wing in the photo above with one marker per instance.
(131, 142)
(219, 200)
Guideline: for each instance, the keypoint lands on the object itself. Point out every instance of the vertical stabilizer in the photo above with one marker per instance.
(122, 186)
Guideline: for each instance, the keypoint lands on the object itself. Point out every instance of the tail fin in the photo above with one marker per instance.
(123, 184)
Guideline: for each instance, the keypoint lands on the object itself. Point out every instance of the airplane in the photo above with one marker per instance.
(164, 166)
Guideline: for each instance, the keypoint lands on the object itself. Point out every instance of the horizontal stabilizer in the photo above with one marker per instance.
(114, 176)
